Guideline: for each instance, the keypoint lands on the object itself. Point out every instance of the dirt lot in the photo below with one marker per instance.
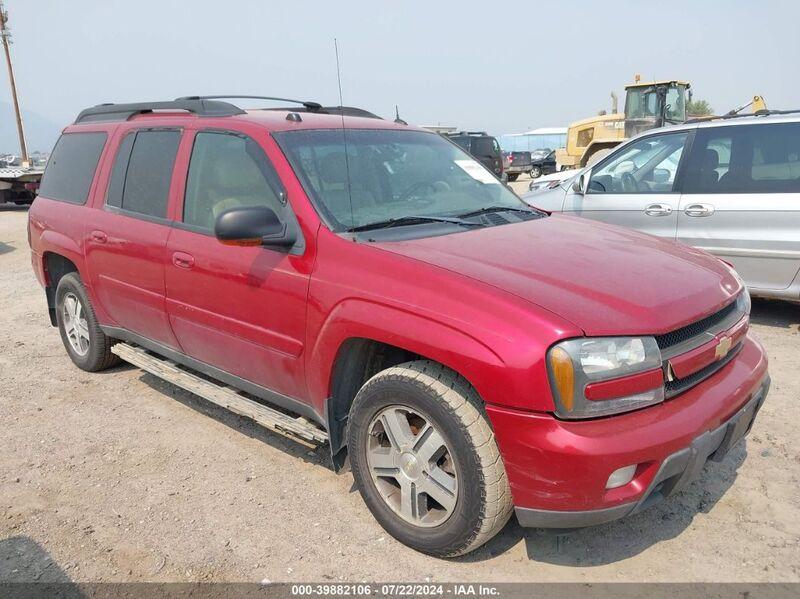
(118, 476)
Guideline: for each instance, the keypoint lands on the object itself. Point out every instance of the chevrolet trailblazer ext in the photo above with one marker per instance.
(471, 355)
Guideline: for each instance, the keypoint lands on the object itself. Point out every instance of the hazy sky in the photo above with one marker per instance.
(500, 66)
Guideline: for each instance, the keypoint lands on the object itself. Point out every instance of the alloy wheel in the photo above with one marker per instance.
(411, 466)
(75, 324)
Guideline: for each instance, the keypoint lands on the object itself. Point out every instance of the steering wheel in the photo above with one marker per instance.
(629, 183)
(409, 194)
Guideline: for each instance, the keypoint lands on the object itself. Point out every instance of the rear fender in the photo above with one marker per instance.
(57, 243)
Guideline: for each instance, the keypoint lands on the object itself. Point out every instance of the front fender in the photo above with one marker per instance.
(352, 318)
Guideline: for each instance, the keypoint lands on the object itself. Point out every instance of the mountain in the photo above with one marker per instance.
(40, 132)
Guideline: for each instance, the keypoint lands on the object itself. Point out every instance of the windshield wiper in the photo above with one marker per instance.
(486, 209)
(411, 220)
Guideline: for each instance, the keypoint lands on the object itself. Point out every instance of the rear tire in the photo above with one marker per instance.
(513, 176)
(439, 485)
(86, 344)
(536, 172)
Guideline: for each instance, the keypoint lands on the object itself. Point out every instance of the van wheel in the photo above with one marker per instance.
(87, 345)
(425, 460)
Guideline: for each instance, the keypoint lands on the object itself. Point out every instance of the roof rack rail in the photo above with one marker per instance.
(122, 112)
(312, 106)
(738, 115)
(337, 110)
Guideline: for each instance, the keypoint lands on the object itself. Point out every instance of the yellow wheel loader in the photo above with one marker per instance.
(647, 105)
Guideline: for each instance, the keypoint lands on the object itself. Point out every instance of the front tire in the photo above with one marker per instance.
(536, 172)
(425, 459)
(86, 344)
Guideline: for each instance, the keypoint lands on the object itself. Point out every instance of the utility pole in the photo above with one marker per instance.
(6, 35)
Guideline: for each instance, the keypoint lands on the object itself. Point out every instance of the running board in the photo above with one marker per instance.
(223, 396)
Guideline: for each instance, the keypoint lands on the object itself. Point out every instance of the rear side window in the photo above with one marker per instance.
(117, 184)
(485, 146)
(149, 172)
(746, 159)
(71, 167)
(463, 142)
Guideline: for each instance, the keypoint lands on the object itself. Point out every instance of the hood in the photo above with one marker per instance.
(604, 279)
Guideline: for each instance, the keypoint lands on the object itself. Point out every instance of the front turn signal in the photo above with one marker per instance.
(563, 374)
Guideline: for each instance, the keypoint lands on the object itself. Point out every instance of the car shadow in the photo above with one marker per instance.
(5, 248)
(319, 456)
(624, 538)
(775, 313)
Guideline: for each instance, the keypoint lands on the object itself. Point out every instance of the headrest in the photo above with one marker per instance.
(710, 160)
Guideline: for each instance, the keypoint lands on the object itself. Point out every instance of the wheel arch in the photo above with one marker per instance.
(55, 267)
(350, 353)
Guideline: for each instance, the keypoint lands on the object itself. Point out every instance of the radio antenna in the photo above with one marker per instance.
(344, 135)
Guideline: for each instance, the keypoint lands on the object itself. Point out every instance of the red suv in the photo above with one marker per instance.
(470, 354)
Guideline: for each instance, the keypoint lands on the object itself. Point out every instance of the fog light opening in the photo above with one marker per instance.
(621, 477)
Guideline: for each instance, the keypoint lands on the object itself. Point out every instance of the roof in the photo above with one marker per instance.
(749, 119)
(276, 120)
(658, 82)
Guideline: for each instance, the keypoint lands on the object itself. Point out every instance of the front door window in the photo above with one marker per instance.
(646, 166)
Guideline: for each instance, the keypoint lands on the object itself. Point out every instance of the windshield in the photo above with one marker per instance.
(392, 174)
(642, 102)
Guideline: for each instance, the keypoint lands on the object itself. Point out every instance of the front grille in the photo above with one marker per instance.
(678, 386)
(694, 329)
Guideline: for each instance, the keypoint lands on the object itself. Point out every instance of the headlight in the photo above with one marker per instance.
(743, 302)
(535, 185)
(605, 375)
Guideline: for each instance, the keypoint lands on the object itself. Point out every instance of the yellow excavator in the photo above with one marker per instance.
(648, 104)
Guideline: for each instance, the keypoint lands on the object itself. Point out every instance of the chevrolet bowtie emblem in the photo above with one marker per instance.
(723, 347)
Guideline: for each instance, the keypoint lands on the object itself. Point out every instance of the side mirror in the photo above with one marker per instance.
(581, 183)
(253, 225)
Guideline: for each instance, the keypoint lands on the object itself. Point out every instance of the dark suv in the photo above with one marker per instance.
(483, 147)
(471, 355)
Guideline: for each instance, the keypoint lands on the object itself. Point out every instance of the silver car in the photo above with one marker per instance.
(728, 186)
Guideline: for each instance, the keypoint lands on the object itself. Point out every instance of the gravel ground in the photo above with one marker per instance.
(118, 476)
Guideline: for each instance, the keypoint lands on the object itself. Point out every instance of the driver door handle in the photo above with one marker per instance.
(183, 260)
(658, 210)
(99, 236)
(699, 210)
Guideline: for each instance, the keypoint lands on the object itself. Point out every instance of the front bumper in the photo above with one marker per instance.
(675, 473)
(558, 469)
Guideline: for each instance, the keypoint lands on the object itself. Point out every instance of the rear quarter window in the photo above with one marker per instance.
(72, 166)
(485, 146)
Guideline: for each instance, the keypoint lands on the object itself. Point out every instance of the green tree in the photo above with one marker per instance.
(699, 108)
